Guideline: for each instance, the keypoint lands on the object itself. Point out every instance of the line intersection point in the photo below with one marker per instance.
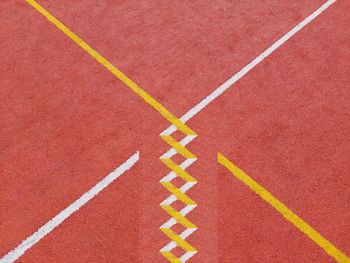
(178, 217)
(178, 170)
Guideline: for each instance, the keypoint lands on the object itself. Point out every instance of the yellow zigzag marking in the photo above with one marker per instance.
(178, 147)
(179, 217)
(180, 241)
(178, 170)
(157, 106)
(177, 192)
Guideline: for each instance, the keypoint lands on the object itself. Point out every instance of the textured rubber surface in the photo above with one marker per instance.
(68, 122)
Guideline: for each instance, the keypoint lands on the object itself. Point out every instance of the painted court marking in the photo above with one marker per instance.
(147, 98)
(284, 210)
(176, 123)
(68, 211)
(116, 72)
(236, 77)
(178, 193)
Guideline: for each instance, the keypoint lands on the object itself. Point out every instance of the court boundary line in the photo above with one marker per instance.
(57, 220)
(240, 74)
(286, 212)
(136, 89)
(248, 67)
(113, 69)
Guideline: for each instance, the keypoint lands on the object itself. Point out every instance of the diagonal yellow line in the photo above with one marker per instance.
(178, 170)
(151, 101)
(171, 257)
(178, 240)
(179, 218)
(116, 72)
(177, 192)
(178, 147)
(284, 211)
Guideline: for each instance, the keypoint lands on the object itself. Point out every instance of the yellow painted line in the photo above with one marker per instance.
(116, 72)
(284, 211)
(171, 257)
(178, 170)
(178, 240)
(178, 147)
(179, 218)
(179, 195)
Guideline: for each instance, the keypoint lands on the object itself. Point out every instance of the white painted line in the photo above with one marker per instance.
(200, 106)
(187, 256)
(171, 175)
(171, 152)
(217, 92)
(68, 211)
(186, 233)
(172, 221)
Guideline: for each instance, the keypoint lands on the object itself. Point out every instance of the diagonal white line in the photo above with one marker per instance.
(215, 94)
(68, 211)
(221, 89)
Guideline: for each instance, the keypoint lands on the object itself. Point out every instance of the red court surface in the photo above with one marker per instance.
(66, 122)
